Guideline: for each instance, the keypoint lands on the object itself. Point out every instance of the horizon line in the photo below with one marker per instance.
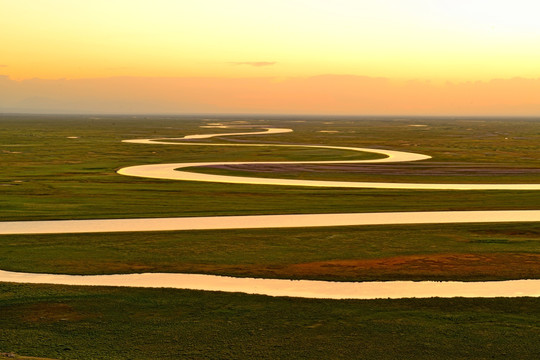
(313, 115)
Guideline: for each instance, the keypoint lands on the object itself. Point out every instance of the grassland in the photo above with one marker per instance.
(48, 174)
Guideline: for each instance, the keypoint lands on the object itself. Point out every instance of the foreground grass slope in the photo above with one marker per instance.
(115, 323)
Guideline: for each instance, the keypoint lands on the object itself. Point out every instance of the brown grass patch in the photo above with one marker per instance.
(430, 266)
(428, 169)
(414, 267)
(49, 312)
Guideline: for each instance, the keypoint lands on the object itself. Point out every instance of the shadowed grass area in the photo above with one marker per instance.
(414, 252)
(115, 323)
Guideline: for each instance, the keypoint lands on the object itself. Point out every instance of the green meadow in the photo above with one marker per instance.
(64, 167)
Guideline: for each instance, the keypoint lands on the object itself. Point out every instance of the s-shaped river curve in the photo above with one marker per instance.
(279, 287)
(172, 172)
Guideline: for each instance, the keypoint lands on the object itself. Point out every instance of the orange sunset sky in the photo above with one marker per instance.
(387, 57)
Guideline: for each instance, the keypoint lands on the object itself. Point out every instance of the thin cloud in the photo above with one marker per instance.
(2, 66)
(254, 63)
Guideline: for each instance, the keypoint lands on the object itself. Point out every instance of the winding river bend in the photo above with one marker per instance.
(173, 172)
(279, 287)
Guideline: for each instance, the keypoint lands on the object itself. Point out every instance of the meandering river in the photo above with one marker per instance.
(280, 287)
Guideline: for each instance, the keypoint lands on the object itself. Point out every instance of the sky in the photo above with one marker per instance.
(385, 57)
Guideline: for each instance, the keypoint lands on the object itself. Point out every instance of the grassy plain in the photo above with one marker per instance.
(48, 174)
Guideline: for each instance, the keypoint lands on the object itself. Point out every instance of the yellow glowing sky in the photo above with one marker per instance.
(275, 56)
(404, 39)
